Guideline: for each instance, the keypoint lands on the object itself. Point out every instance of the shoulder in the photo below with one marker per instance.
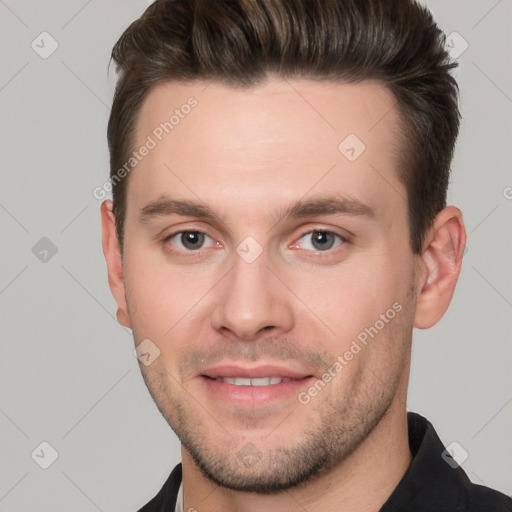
(480, 499)
(436, 482)
(165, 500)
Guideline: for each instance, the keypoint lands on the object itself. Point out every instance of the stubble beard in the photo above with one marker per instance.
(338, 430)
(340, 426)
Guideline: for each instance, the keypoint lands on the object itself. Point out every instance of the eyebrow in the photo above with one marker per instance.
(324, 205)
(164, 206)
(329, 205)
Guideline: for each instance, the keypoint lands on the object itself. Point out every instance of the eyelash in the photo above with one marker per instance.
(343, 240)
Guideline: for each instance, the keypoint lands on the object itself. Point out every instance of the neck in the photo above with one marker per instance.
(361, 482)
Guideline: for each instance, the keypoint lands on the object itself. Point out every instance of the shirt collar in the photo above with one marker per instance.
(179, 499)
(430, 483)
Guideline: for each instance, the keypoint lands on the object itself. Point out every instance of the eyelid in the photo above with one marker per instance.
(190, 226)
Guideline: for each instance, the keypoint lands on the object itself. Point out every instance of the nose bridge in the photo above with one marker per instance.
(252, 299)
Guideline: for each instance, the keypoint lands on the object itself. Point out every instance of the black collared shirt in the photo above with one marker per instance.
(430, 484)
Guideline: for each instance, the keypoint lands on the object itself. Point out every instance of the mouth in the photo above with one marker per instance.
(254, 387)
(259, 381)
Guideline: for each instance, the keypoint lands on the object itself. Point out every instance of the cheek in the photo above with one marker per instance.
(345, 301)
(153, 297)
(163, 300)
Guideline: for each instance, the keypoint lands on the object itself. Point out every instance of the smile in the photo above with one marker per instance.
(261, 381)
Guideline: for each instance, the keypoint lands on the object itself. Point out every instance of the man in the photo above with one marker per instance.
(278, 227)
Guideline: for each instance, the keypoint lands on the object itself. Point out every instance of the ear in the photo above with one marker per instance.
(113, 258)
(440, 262)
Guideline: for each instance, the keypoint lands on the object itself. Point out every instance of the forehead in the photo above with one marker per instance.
(268, 144)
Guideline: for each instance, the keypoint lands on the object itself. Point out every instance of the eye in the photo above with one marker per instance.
(320, 240)
(190, 240)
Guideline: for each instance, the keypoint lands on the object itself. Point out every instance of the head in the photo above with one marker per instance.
(287, 217)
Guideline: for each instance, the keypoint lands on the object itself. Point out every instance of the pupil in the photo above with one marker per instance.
(192, 239)
(322, 240)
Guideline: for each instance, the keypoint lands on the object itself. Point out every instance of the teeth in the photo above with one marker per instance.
(260, 381)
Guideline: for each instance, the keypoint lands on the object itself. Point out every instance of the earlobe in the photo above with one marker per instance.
(441, 262)
(112, 253)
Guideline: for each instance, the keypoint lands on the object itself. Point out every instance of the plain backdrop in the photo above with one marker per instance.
(68, 376)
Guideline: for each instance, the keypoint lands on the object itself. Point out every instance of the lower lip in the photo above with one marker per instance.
(255, 395)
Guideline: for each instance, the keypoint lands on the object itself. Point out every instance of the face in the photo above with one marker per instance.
(267, 258)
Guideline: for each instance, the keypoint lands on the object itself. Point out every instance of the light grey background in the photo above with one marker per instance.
(67, 372)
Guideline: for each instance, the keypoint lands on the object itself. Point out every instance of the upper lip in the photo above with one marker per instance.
(253, 373)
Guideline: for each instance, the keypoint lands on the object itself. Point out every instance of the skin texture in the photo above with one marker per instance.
(248, 154)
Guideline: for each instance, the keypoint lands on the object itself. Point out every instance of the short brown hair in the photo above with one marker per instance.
(242, 42)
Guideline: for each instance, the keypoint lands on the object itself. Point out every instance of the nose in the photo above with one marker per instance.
(252, 301)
